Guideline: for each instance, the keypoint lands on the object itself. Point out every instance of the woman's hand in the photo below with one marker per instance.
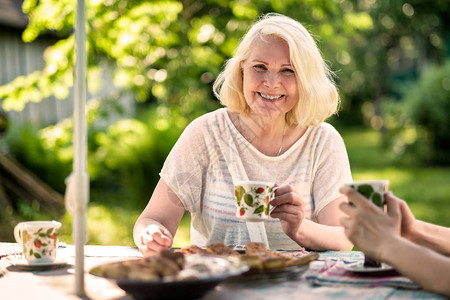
(368, 226)
(153, 239)
(289, 208)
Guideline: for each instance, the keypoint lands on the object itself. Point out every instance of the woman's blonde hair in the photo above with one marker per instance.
(318, 96)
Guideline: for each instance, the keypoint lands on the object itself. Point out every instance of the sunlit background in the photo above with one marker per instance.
(151, 66)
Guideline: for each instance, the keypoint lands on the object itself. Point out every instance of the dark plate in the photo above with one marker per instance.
(359, 268)
(276, 275)
(192, 289)
(174, 289)
(22, 265)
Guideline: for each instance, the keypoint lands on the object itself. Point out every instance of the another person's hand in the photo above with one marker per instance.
(409, 224)
(368, 226)
(153, 239)
(289, 208)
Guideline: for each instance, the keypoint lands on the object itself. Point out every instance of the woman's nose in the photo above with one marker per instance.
(272, 79)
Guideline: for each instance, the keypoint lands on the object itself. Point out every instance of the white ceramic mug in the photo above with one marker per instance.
(38, 240)
(253, 200)
(375, 191)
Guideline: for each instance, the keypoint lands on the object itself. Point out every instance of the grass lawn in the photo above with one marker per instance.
(110, 220)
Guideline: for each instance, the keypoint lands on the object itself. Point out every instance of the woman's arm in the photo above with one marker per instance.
(326, 234)
(156, 226)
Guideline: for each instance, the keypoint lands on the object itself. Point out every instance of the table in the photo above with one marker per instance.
(59, 283)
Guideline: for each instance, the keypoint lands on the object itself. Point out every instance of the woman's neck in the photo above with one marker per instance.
(266, 135)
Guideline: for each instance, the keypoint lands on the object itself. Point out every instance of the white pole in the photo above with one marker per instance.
(80, 177)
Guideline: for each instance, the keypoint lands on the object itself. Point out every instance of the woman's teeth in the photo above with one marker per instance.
(270, 97)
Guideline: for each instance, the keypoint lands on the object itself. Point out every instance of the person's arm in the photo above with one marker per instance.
(326, 234)
(377, 234)
(156, 226)
(432, 236)
(424, 266)
(428, 235)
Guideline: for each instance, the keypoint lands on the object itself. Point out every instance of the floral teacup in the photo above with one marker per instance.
(253, 200)
(38, 240)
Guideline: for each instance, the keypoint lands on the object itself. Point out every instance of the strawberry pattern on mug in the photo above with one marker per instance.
(38, 240)
(44, 242)
(253, 200)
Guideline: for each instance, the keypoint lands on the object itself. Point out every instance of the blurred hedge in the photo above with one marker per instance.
(418, 124)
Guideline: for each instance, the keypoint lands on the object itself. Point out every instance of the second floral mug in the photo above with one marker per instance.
(38, 240)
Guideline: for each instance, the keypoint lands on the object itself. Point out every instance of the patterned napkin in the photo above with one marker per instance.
(9, 249)
(335, 273)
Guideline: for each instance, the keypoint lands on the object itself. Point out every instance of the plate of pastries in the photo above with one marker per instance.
(192, 271)
(170, 275)
(263, 263)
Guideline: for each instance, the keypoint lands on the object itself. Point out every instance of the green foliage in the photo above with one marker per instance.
(403, 37)
(125, 155)
(131, 152)
(164, 51)
(419, 125)
(25, 145)
(167, 54)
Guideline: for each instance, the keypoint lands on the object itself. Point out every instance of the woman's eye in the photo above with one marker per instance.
(287, 71)
(260, 68)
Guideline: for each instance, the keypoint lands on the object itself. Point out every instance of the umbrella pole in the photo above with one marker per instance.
(80, 177)
(79, 234)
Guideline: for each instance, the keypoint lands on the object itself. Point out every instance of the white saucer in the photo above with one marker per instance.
(24, 265)
(358, 267)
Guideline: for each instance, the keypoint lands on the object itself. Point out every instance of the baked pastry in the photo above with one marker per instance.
(256, 256)
(254, 262)
(271, 262)
(165, 267)
(221, 249)
(255, 248)
(303, 260)
(176, 257)
(191, 249)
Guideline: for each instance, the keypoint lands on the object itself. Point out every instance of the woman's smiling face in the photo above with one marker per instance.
(269, 81)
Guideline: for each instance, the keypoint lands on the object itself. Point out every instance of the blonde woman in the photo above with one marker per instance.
(277, 92)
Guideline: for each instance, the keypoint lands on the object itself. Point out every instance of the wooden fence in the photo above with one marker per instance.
(19, 58)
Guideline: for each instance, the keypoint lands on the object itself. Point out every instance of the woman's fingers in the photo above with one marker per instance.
(154, 239)
(285, 210)
(162, 239)
(286, 195)
(146, 251)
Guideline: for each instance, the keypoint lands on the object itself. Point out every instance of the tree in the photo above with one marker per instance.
(168, 52)
(404, 39)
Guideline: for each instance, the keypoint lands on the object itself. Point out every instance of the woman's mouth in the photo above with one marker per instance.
(270, 98)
